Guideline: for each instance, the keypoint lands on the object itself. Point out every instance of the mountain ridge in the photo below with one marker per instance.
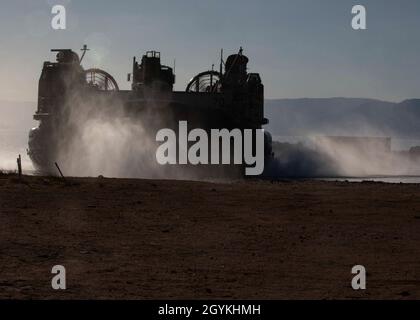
(343, 116)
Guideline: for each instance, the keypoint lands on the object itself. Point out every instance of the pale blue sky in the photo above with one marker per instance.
(301, 48)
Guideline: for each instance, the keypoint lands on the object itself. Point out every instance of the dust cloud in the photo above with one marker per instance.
(342, 156)
(98, 136)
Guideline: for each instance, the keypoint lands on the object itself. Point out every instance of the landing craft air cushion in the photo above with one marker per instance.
(229, 98)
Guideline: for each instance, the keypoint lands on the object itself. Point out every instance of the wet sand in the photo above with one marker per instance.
(146, 239)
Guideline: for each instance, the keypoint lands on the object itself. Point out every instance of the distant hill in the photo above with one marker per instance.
(343, 116)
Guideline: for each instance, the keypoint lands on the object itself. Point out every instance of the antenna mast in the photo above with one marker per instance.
(84, 49)
(221, 62)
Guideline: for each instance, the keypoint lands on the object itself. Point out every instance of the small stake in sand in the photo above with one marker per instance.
(59, 170)
(19, 164)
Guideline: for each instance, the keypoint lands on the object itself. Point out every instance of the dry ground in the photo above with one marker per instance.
(141, 239)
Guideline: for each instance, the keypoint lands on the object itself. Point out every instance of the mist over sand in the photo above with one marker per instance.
(302, 128)
(323, 156)
(98, 136)
(106, 141)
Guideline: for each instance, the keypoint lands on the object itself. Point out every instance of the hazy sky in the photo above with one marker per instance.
(301, 48)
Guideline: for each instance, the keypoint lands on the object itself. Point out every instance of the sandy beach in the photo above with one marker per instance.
(146, 239)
